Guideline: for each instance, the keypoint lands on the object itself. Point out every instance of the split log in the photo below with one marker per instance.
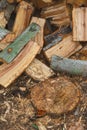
(39, 38)
(73, 67)
(55, 96)
(64, 49)
(12, 50)
(23, 16)
(80, 24)
(39, 71)
(3, 20)
(9, 72)
(58, 13)
(21, 23)
(55, 37)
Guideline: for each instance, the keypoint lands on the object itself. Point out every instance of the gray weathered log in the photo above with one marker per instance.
(74, 67)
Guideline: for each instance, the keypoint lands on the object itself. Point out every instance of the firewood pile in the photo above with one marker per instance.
(47, 40)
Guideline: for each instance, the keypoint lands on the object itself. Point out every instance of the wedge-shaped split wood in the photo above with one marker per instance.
(11, 51)
(80, 24)
(22, 20)
(39, 71)
(65, 48)
(9, 72)
(73, 67)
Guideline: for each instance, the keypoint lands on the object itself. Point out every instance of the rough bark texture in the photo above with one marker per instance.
(76, 67)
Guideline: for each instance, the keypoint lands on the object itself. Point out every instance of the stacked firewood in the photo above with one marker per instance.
(55, 36)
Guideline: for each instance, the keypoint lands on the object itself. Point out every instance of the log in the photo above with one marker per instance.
(39, 71)
(39, 38)
(80, 24)
(55, 37)
(23, 16)
(70, 66)
(58, 13)
(64, 49)
(12, 50)
(24, 13)
(9, 72)
(55, 96)
(3, 20)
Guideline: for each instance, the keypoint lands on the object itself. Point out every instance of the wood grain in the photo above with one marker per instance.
(9, 72)
(21, 23)
(39, 71)
(64, 49)
(80, 24)
(40, 36)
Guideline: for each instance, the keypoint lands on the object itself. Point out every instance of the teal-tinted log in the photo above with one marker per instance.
(12, 50)
(3, 33)
(70, 66)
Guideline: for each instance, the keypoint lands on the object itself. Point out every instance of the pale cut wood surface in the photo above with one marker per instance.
(21, 23)
(39, 71)
(9, 72)
(80, 24)
(39, 40)
(23, 17)
(64, 49)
